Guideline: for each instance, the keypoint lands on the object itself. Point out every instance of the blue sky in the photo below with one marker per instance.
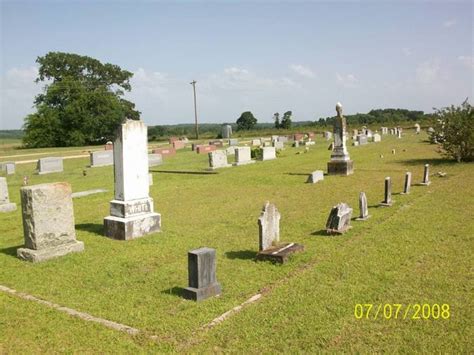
(261, 56)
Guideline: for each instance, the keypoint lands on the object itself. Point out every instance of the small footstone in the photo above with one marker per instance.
(280, 253)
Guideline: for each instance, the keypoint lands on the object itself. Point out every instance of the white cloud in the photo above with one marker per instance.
(427, 72)
(468, 61)
(301, 70)
(406, 52)
(449, 23)
(348, 80)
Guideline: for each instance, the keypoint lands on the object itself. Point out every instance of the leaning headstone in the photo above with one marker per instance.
(268, 153)
(339, 220)
(243, 156)
(131, 211)
(5, 204)
(387, 201)
(376, 137)
(426, 176)
(48, 222)
(269, 236)
(363, 207)
(101, 158)
(341, 163)
(155, 159)
(202, 282)
(315, 176)
(218, 159)
(407, 185)
(50, 165)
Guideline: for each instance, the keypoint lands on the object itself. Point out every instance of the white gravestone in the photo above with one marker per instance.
(256, 142)
(50, 165)
(315, 176)
(278, 145)
(131, 212)
(226, 131)
(102, 158)
(377, 138)
(363, 207)
(268, 153)
(339, 219)
(243, 156)
(10, 168)
(48, 222)
(269, 226)
(5, 204)
(154, 159)
(218, 159)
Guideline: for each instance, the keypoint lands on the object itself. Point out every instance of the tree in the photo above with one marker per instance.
(276, 118)
(81, 102)
(454, 131)
(286, 120)
(246, 121)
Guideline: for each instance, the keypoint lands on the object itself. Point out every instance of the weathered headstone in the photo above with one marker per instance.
(376, 137)
(341, 163)
(131, 212)
(407, 185)
(315, 176)
(48, 222)
(362, 139)
(399, 134)
(363, 207)
(243, 156)
(268, 153)
(328, 135)
(101, 158)
(417, 128)
(10, 168)
(202, 275)
(426, 175)
(5, 204)
(269, 236)
(296, 144)
(339, 220)
(154, 159)
(387, 201)
(50, 165)
(218, 159)
(226, 131)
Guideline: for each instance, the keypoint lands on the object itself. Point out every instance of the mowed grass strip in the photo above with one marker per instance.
(138, 282)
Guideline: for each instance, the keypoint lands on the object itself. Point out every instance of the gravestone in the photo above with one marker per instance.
(10, 168)
(164, 152)
(218, 159)
(426, 176)
(204, 149)
(387, 202)
(49, 165)
(101, 158)
(282, 139)
(407, 185)
(315, 176)
(256, 142)
(399, 133)
(296, 144)
(278, 145)
(173, 139)
(417, 128)
(226, 131)
(355, 144)
(363, 207)
(341, 163)
(202, 282)
(267, 144)
(298, 136)
(384, 130)
(377, 138)
(243, 156)
(178, 145)
(339, 220)
(154, 159)
(5, 204)
(230, 150)
(268, 153)
(233, 141)
(362, 139)
(109, 146)
(269, 236)
(131, 211)
(48, 222)
(328, 135)
(217, 143)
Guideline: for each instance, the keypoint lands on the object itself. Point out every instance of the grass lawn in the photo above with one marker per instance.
(418, 251)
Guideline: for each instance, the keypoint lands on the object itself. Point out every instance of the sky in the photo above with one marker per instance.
(262, 56)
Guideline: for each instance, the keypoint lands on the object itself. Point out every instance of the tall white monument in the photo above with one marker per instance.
(131, 211)
(341, 163)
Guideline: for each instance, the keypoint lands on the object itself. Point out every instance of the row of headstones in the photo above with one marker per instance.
(243, 156)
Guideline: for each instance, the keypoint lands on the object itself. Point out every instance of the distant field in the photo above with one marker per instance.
(417, 252)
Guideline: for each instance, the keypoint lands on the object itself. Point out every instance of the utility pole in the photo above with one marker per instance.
(193, 83)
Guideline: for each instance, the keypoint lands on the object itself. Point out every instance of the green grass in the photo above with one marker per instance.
(418, 251)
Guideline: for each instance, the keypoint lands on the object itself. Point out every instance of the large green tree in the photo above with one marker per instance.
(246, 121)
(286, 120)
(82, 102)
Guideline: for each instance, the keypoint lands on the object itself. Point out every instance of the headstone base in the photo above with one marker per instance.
(132, 227)
(218, 167)
(425, 183)
(244, 162)
(36, 256)
(385, 204)
(343, 167)
(8, 207)
(341, 231)
(362, 218)
(199, 294)
(280, 253)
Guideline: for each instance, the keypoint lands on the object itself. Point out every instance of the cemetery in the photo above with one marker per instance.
(331, 261)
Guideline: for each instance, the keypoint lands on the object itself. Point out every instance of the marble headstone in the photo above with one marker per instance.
(218, 159)
(339, 220)
(243, 156)
(315, 176)
(155, 159)
(50, 165)
(387, 202)
(363, 207)
(268, 153)
(5, 204)
(101, 158)
(426, 175)
(269, 226)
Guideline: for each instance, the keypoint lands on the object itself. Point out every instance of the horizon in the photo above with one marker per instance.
(262, 57)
